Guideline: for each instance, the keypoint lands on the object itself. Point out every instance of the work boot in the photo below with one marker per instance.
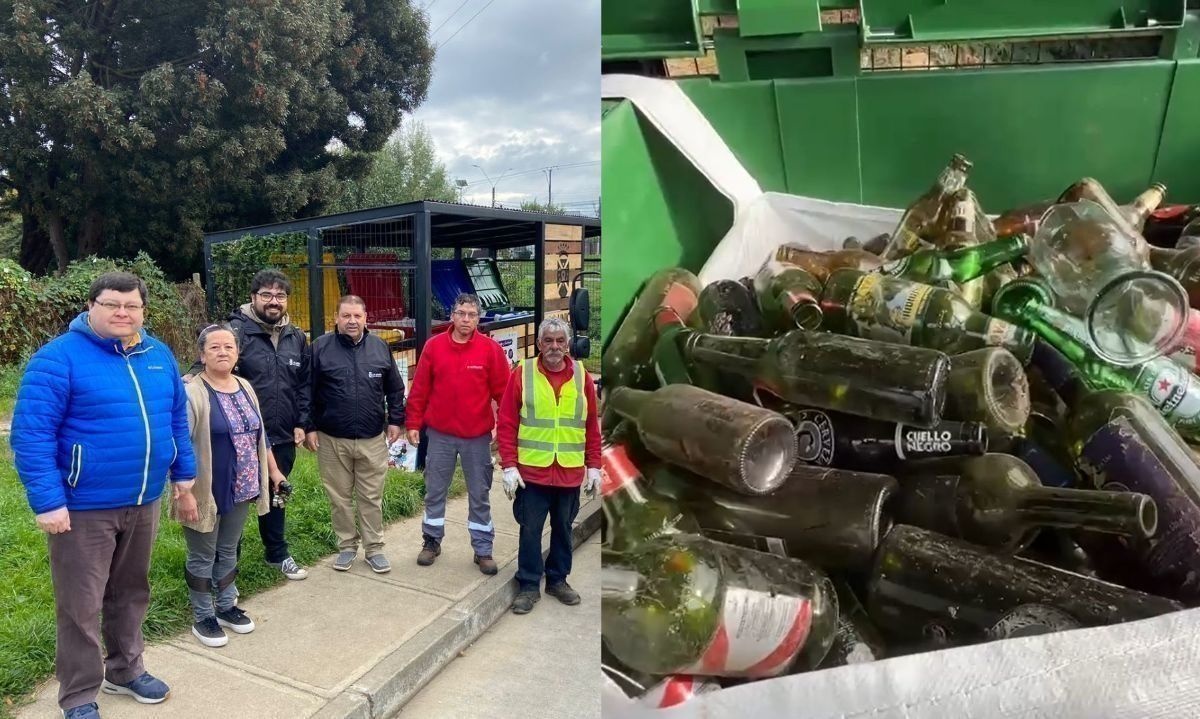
(524, 601)
(487, 565)
(429, 552)
(563, 593)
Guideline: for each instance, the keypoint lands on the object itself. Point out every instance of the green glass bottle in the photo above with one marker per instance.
(788, 297)
(688, 605)
(896, 310)
(740, 445)
(989, 385)
(997, 501)
(670, 294)
(857, 640)
(818, 369)
(959, 265)
(1170, 388)
(727, 307)
(920, 218)
(631, 514)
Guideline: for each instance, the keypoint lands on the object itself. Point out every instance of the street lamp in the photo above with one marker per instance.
(493, 183)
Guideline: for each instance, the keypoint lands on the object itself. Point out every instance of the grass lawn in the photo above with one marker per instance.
(10, 377)
(27, 598)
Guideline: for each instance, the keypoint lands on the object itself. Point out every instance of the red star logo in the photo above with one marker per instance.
(1164, 385)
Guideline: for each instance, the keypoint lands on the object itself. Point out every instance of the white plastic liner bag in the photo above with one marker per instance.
(1148, 668)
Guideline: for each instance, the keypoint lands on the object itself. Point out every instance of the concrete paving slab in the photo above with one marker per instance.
(327, 630)
(543, 664)
(197, 685)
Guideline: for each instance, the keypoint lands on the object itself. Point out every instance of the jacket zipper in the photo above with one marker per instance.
(76, 465)
(145, 422)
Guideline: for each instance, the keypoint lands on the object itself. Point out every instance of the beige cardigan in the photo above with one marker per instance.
(198, 421)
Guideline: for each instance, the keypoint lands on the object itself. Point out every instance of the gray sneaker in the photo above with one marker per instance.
(344, 560)
(379, 564)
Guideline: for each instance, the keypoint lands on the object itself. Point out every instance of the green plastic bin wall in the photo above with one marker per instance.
(881, 138)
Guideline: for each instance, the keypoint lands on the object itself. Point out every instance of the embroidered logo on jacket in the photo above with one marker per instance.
(374, 375)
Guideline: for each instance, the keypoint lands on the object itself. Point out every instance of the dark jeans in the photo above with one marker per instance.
(530, 507)
(101, 569)
(271, 524)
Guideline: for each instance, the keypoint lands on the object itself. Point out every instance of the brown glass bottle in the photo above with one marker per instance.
(997, 501)
(670, 294)
(920, 218)
(892, 309)
(745, 447)
(927, 585)
(1148, 201)
(821, 264)
(787, 296)
(1023, 220)
(818, 369)
(830, 517)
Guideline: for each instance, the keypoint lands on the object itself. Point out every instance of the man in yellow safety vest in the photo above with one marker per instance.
(548, 437)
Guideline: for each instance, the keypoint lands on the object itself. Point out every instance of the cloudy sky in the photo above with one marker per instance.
(516, 88)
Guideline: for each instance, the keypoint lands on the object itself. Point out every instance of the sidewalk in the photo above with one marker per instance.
(353, 645)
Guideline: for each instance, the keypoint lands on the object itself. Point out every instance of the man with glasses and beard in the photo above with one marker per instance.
(459, 375)
(548, 434)
(274, 359)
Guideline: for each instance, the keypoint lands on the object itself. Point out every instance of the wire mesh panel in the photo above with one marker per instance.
(593, 284)
(235, 263)
(518, 272)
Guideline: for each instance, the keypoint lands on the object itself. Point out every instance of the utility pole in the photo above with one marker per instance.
(549, 184)
(489, 179)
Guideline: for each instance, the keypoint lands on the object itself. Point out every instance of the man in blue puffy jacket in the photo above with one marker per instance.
(100, 421)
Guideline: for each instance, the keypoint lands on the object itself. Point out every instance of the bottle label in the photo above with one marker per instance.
(913, 441)
(1028, 620)
(888, 319)
(907, 239)
(676, 690)
(1172, 390)
(616, 469)
(1117, 452)
(895, 268)
(757, 542)
(814, 437)
(1000, 333)
(678, 304)
(759, 635)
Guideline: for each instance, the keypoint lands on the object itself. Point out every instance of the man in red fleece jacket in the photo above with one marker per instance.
(459, 375)
(548, 435)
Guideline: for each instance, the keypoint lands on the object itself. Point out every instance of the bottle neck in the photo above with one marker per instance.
(968, 263)
(1124, 513)
(1144, 204)
(736, 355)
(627, 402)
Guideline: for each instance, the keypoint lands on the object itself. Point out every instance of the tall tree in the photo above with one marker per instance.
(129, 124)
(406, 169)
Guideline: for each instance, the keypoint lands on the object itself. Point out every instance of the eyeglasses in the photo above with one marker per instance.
(277, 296)
(128, 306)
(466, 315)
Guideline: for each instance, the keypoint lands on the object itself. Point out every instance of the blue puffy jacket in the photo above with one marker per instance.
(96, 427)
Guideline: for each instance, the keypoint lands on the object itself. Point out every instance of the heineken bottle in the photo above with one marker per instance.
(926, 586)
(787, 296)
(669, 295)
(1137, 212)
(631, 515)
(821, 264)
(1121, 442)
(920, 218)
(857, 640)
(896, 310)
(830, 517)
(1171, 389)
(997, 501)
(833, 439)
(745, 447)
(689, 605)
(817, 369)
(989, 385)
(728, 308)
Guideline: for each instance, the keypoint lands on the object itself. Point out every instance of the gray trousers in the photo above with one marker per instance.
(212, 562)
(476, 455)
(101, 568)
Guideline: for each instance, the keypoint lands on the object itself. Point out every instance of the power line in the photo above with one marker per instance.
(539, 169)
(442, 44)
(442, 23)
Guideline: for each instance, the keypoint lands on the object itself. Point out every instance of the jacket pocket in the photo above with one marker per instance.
(76, 465)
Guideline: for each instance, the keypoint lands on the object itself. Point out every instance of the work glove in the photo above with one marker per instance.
(592, 482)
(512, 480)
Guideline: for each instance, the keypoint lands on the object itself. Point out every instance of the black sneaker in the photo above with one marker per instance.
(563, 593)
(235, 619)
(524, 601)
(209, 632)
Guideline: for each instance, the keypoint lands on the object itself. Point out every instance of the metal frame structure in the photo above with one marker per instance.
(435, 224)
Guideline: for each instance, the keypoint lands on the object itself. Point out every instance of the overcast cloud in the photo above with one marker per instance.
(516, 87)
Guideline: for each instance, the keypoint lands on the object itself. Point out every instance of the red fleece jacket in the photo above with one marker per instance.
(456, 384)
(509, 419)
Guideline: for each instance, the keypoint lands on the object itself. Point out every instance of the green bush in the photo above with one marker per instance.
(234, 264)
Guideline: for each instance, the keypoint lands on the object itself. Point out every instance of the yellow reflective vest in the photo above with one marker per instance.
(551, 429)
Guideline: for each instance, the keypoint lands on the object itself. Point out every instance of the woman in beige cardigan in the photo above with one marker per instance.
(233, 466)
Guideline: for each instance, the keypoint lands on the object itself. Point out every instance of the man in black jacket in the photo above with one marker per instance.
(274, 358)
(356, 393)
